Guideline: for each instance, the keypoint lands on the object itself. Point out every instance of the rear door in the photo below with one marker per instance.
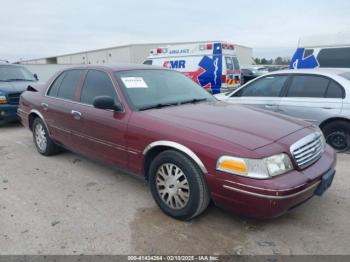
(264, 92)
(60, 104)
(232, 74)
(312, 98)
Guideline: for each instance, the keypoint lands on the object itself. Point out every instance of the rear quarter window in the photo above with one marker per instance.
(335, 90)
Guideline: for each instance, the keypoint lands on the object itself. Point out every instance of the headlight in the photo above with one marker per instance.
(3, 100)
(255, 168)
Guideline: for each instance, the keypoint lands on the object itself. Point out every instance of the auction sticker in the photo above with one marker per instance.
(134, 82)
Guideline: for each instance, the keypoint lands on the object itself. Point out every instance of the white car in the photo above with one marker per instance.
(320, 96)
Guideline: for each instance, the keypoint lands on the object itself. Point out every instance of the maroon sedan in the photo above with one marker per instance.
(191, 148)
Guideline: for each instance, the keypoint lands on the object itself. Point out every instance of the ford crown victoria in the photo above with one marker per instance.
(160, 125)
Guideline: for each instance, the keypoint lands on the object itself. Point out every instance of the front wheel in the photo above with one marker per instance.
(178, 186)
(337, 135)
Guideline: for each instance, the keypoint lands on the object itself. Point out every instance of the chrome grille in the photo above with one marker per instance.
(308, 150)
(13, 99)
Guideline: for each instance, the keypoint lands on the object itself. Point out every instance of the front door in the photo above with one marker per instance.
(263, 93)
(101, 133)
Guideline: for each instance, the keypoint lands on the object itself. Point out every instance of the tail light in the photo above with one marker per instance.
(209, 46)
(223, 79)
(159, 50)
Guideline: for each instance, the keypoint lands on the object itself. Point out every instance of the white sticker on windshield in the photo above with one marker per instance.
(134, 82)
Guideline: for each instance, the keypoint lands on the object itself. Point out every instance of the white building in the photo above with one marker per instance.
(133, 53)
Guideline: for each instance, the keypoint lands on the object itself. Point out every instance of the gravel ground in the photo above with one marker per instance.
(67, 204)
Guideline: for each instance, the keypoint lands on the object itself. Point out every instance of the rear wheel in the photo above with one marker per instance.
(178, 186)
(337, 135)
(42, 140)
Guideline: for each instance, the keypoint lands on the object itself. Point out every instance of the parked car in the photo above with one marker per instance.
(160, 125)
(249, 73)
(14, 80)
(320, 96)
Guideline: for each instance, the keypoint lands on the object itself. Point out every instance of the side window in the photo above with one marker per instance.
(269, 86)
(334, 90)
(56, 84)
(147, 62)
(334, 57)
(69, 84)
(308, 52)
(308, 86)
(97, 83)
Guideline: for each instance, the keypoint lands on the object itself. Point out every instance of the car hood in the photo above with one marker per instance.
(245, 126)
(13, 87)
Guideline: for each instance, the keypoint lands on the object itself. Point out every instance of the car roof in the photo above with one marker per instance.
(115, 67)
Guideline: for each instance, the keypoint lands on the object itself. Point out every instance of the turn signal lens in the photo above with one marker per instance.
(3, 100)
(232, 165)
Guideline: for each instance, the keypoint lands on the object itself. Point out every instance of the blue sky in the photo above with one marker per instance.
(40, 28)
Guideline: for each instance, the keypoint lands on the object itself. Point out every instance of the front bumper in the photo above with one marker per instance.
(8, 113)
(273, 197)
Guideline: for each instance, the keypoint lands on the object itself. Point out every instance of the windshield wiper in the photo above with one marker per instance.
(17, 79)
(156, 106)
(195, 100)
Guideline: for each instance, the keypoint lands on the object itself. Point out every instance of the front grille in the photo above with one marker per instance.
(13, 99)
(308, 150)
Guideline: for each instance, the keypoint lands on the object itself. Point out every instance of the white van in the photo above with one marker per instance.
(213, 65)
(331, 51)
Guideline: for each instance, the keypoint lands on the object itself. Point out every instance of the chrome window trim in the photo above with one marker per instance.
(179, 147)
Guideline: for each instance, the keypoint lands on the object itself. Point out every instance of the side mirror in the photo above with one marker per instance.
(107, 102)
(36, 77)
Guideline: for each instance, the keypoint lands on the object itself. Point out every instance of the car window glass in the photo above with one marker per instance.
(308, 86)
(308, 52)
(69, 84)
(147, 62)
(229, 64)
(270, 86)
(334, 57)
(97, 83)
(56, 84)
(235, 63)
(334, 90)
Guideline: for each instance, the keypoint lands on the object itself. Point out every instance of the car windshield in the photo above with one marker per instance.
(15, 73)
(146, 89)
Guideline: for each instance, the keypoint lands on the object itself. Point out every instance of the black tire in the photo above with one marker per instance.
(337, 135)
(199, 197)
(51, 148)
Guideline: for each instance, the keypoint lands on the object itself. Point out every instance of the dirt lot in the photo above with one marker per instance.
(67, 204)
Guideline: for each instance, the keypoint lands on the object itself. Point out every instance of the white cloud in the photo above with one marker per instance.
(37, 28)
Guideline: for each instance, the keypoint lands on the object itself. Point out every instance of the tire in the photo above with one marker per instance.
(184, 194)
(337, 135)
(42, 140)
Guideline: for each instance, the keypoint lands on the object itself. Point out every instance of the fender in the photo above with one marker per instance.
(34, 111)
(179, 147)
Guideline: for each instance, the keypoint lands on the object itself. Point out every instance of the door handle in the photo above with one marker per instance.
(76, 114)
(326, 108)
(44, 106)
(269, 106)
